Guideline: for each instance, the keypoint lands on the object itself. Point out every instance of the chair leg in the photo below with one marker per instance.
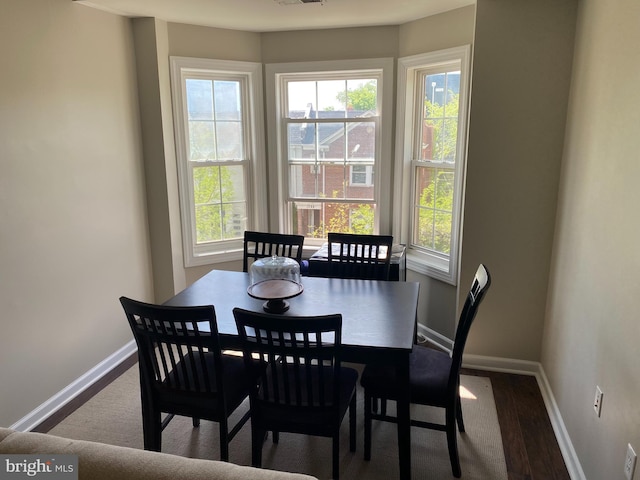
(151, 428)
(336, 457)
(196, 422)
(276, 436)
(224, 440)
(452, 442)
(352, 423)
(257, 439)
(368, 405)
(459, 415)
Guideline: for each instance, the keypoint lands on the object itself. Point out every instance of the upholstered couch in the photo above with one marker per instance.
(97, 461)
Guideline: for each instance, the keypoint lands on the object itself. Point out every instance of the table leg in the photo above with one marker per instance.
(404, 421)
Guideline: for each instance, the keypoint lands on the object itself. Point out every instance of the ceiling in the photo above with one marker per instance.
(271, 15)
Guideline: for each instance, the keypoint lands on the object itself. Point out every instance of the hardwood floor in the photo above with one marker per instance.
(530, 446)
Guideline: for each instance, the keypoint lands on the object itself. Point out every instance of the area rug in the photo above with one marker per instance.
(113, 416)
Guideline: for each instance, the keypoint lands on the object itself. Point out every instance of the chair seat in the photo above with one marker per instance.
(428, 377)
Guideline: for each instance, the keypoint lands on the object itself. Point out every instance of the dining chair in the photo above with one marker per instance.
(434, 378)
(359, 256)
(183, 371)
(302, 386)
(263, 244)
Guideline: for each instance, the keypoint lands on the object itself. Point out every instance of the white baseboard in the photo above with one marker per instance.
(64, 396)
(523, 367)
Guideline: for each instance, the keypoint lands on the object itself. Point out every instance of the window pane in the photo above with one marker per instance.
(434, 208)
(332, 98)
(219, 200)
(202, 141)
(440, 105)
(215, 127)
(228, 105)
(199, 99)
(316, 220)
(229, 135)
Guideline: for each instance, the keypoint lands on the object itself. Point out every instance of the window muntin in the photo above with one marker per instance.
(218, 152)
(325, 149)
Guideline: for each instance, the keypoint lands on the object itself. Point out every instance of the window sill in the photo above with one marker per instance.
(431, 266)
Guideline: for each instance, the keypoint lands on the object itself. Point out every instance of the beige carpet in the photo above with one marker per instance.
(113, 416)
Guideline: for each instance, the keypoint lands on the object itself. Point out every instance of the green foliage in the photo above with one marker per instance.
(345, 218)
(443, 121)
(435, 209)
(362, 98)
(212, 187)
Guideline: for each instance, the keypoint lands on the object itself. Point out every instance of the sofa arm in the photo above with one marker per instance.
(97, 461)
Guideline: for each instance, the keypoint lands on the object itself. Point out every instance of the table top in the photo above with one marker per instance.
(378, 318)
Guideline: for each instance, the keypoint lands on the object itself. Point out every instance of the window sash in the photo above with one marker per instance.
(218, 146)
(354, 207)
(431, 214)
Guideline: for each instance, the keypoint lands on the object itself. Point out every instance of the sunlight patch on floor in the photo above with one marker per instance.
(466, 393)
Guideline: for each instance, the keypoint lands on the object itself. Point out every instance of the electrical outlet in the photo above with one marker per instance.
(597, 403)
(630, 462)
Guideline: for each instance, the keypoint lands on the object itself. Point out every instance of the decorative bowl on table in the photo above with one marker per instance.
(275, 279)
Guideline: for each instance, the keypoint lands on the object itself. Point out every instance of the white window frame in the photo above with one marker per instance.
(276, 75)
(255, 186)
(438, 266)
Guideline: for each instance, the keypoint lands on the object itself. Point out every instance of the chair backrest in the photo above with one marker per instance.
(300, 360)
(262, 244)
(359, 256)
(479, 286)
(171, 336)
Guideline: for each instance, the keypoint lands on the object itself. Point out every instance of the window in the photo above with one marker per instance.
(432, 134)
(217, 118)
(331, 130)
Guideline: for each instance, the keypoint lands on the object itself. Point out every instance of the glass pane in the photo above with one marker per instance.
(317, 219)
(361, 141)
(425, 187)
(301, 97)
(301, 141)
(202, 141)
(208, 223)
(303, 181)
(232, 183)
(423, 234)
(235, 220)
(199, 99)
(332, 98)
(220, 207)
(228, 104)
(450, 137)
(441, 98)
(438, 140)
(434, 207)
(362, 97)
(229, 135)
(331, 141)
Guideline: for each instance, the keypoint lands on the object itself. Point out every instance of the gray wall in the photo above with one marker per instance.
(592, 328)
(521, 74)
(73, 221)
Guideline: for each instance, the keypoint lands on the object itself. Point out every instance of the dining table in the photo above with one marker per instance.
(378, 323)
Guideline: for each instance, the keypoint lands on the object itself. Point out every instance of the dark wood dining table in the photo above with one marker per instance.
(378, 323)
